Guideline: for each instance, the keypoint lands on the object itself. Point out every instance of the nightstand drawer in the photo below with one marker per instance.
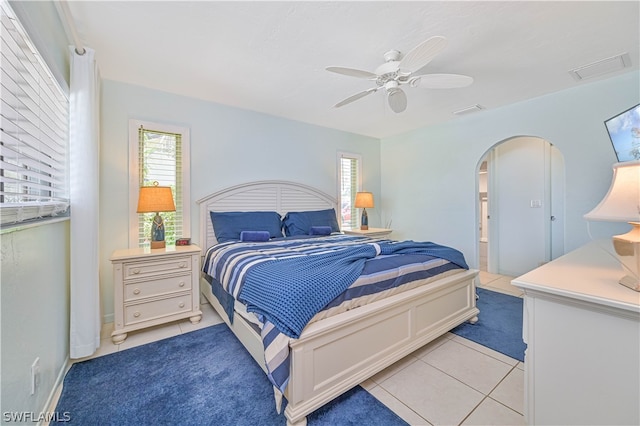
(157, 309)
(156, 267)
(158, 287)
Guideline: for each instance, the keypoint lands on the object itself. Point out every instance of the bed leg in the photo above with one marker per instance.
(473, 320)
(301, 422)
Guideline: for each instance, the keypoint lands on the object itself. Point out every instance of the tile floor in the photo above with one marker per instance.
(454, 381)
(451, 381)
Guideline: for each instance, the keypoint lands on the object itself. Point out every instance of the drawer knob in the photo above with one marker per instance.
(181, 305)
(135, 271)
(182, 265)
(136, 291)
(136, 314)
(181, 284)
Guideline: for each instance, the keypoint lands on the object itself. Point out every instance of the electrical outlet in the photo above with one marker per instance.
(35, 370)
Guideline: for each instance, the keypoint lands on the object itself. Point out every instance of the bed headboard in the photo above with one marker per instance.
(271, 195)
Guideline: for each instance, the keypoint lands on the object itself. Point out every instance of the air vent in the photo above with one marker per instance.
(603, 66)
(469, 109)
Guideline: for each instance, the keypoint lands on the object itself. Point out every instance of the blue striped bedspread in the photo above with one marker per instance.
(287, 282)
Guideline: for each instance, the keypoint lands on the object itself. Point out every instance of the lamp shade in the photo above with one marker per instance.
(155, 199)
(622, 202)
(364, 200)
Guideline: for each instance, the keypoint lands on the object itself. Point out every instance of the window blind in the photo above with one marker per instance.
(348, 188)
(160, 160)
(34, 125)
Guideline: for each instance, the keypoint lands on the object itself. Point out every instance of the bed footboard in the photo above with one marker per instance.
(340, 352)
(336, 354)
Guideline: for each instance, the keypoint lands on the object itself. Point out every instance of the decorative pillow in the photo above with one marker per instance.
(300, 223)
(255, 236)
(320, 230)
(228, 225)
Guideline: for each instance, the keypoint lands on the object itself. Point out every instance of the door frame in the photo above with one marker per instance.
(493, 197)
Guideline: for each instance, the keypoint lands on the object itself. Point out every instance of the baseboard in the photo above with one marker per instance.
(54, 395)
(107, 318)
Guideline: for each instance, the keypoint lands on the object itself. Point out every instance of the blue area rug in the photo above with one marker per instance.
(499, 326)
(205, 377)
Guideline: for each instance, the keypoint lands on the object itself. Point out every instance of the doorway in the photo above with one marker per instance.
(483, 223)
(520, 206)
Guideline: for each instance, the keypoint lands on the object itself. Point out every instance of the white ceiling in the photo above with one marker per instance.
(271, 56)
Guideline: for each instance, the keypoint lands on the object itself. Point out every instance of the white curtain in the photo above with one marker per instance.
(84, 161)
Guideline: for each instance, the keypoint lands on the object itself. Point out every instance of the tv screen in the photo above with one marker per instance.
(624, 132)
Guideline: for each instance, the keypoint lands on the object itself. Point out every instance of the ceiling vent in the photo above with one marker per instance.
(603, 66)
(469, 109)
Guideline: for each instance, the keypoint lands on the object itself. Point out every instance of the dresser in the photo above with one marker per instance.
(582, 329)
(153, 287)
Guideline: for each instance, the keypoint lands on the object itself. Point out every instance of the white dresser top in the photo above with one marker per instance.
(589, 273)
(147, 252)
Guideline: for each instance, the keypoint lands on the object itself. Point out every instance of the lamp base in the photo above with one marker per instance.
(157, 232)
(157, 244)
(364, 220)
(627, 247)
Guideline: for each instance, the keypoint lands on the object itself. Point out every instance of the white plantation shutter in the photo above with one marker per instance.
(34, 123)
(349, 169)
(160, 160)
(161, 154)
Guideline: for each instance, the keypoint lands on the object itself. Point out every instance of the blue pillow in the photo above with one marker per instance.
(320, 230)
(300, 223)
(228, 225)
(255, 236)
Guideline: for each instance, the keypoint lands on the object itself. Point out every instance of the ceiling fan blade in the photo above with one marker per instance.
(353, 72)
(397, 100)
(355, 97)
(422, 54)
(441, 81)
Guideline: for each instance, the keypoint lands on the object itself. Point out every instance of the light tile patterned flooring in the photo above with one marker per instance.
(451, 381)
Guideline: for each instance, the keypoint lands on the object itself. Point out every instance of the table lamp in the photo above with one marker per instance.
(622, 204)
(364, 200)
(156, 199)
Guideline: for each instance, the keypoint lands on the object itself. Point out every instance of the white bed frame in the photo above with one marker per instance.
(335, 354)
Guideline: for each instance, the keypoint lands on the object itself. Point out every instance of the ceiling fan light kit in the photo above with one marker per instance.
(398, 71)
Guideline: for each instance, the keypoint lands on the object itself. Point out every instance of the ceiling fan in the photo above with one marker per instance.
(398, 71)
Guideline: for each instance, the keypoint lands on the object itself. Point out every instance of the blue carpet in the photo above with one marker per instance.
(499, 326)
(204, 377)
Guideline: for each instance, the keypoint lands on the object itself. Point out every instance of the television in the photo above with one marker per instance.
(624, 132)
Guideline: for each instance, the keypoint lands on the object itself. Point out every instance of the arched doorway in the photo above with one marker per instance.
(520, 205)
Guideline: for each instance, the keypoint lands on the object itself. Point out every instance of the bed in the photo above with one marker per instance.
(336, 353)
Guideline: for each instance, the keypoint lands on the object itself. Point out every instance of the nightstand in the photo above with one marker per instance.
(153, 287)
(371, 232)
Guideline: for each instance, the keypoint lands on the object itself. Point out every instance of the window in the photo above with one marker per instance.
(159, 153)
(349, 181)
(34, 124)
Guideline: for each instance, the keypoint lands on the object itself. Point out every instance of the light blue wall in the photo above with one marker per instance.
(35, 312)
(429, 175)
(229, 146)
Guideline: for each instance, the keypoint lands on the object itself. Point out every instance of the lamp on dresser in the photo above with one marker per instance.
(364, 200)
(622, 204)
(156, 199)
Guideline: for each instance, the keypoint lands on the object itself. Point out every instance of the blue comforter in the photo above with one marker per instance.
(300, 287)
